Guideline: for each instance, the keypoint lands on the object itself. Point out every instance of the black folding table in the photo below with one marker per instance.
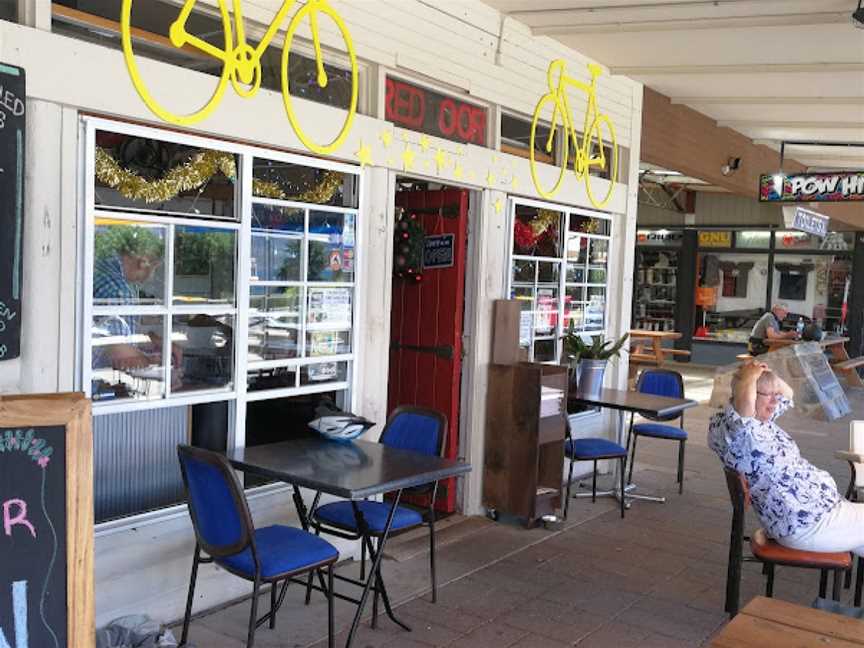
(353, 471)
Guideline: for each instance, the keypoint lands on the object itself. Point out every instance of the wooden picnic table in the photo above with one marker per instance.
(840, 360)
(648, 346)
(772, 623)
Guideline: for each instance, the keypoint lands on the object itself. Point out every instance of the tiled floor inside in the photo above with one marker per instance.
(654, 579)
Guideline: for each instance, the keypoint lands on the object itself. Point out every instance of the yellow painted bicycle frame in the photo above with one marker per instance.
(242, 62)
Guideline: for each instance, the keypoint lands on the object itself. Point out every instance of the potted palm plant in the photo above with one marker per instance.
(588, 361)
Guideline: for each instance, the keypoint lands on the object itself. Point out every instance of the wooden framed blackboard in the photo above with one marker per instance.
(46, 522)
(12, 132)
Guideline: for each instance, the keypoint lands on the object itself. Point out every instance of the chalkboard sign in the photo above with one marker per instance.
(438, 251)
(46, 522)
(12, 96)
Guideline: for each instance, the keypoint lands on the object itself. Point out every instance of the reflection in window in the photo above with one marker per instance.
(204, 265)
(127, 266)
(324, 372)
(298, 183)
(274, 323)
(516, 139)
(127, 357)
(9, 10)
(202, 347)
(537, 232)
(156, 176)
(331, 247)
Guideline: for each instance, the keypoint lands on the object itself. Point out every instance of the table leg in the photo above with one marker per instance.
(374, 571)
(839, 353)
(658, 353)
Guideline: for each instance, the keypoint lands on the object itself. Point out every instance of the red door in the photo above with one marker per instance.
(426, 323)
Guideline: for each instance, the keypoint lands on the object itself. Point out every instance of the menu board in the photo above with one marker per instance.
(12, 132)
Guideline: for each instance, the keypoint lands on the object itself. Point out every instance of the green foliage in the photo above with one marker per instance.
(599, 349)
(132, 240)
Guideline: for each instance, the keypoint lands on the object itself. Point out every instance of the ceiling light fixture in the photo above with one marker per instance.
(858, 16)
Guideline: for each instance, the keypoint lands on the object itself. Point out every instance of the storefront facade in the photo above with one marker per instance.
(267, 274)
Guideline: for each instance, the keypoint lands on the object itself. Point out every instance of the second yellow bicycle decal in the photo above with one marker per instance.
(241, 62)
(598, 148)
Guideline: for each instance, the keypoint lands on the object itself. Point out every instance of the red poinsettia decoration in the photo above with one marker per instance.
(523, 235)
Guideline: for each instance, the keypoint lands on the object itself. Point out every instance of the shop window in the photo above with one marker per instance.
(146, 175)
(516, 139)
(9, 10)
(99, 22)
(760, 239)
(559, 273)
(284, 181)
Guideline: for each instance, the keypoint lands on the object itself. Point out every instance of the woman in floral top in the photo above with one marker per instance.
(797, 503)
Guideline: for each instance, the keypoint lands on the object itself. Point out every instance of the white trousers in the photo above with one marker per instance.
(840, 530)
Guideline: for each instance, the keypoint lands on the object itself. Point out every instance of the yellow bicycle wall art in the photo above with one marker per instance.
(598, 148)
(241, 61)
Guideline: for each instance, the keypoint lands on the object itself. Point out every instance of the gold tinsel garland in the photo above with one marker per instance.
(196, 173)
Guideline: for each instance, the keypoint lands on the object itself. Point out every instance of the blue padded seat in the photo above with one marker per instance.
(589, 449)
(660, 431)
(281, 549)
(341, 514)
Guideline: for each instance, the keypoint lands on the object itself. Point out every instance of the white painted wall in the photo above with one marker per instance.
(494, 59)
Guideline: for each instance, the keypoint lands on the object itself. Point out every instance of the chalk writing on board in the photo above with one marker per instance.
(10, 104)
(21, 526)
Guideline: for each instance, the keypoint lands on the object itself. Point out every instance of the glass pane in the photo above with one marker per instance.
(152, 175)
(795, 240)
(287, 181)
(575, 273)
(756, 239)
(328, 308)
(577, 249)
(838, 241)
(546, 312)
(278, 378)
(575, 293)
(595, 311)
(279, 219)
(599, 254)
(203, 347)
(276, 257)
(303, 81)
(537, 232)
(274, 323)
(548, 272)
(523, 271)
(323, 373)
(127, 357)
(327, 343)
(545, 351)
(127, 266)
(516, 138)
(589, 225)
(9, 10)
(526, 305)
(574, 310)
(597, 276)
(331, 246)
(204, 261)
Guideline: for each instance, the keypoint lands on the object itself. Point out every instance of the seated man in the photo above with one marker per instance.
(798, 504)
(769, 327)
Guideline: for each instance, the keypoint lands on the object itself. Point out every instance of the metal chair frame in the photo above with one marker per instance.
(621, 470)
(246, 541)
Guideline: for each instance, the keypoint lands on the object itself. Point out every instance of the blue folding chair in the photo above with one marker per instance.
(408, 428)
(660, 382)
(592, 449)
(224, 531)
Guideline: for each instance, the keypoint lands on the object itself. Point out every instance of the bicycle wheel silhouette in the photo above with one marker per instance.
(157, 108)
(548, 102)
(309, 142)
(598, 140)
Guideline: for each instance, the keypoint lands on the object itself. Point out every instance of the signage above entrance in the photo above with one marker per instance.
(721, 239)
(806, 221)
(812, 187)
(427, 111)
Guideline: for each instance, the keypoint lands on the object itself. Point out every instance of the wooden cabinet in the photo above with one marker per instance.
(524, 457)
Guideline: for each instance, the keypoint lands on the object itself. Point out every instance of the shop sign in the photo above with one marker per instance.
(812, 187)
(722, 239)
(438, 251)
(431, 112)
(807, 221)
(659, 237)
(12, 142)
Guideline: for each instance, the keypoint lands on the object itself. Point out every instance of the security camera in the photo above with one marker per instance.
(731, 166)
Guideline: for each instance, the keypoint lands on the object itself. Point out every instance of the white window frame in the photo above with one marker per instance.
(243, 205)
(562, 261)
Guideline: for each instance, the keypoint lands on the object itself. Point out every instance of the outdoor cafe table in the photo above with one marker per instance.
(834, 344)
(353, 471)
(631, 401)
(772, 623)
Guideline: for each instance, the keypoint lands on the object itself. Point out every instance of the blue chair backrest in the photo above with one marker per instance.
(416, 428)
(661, 382)
(217, 505)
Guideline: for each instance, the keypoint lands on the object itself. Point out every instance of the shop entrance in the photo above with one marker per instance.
(426, 319)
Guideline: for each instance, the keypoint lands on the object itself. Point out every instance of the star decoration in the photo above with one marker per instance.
(404, 137)
(490, 177)
(364, 155)
(386, 137)
(425, 142)
(440, 159)
(427, 165)
(408, 158)
(458, 171)
(499, 206)
(515, 182)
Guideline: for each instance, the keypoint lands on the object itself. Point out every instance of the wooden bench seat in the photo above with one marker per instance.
(744, 357)
(850, 364)
(676, 352)
(643, 358)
